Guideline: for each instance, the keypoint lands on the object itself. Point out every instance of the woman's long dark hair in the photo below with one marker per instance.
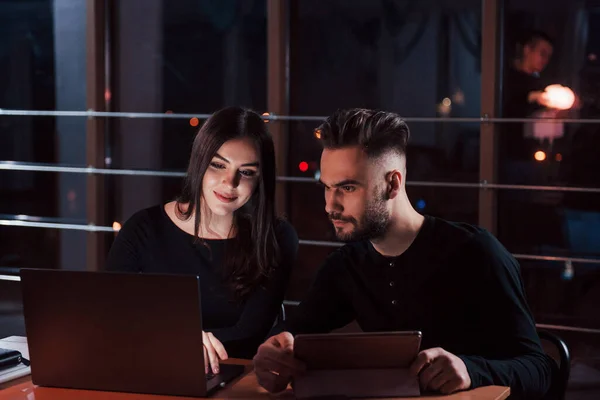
(254, 250)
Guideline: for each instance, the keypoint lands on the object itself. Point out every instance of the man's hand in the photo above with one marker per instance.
(441, 371)
(540, 97)
(213, 352)
(274, 363)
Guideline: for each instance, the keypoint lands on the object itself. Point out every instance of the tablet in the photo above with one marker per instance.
(364, 350)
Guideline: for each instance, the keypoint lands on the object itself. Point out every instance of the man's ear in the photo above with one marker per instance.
(393, 183)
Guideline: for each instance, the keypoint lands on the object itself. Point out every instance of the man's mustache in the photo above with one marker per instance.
(340, 217)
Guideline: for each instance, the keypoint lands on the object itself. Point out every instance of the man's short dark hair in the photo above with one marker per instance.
(531, 38)
(377, 132)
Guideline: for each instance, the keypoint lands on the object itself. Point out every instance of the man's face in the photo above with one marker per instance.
(355, 198)
(537, 55)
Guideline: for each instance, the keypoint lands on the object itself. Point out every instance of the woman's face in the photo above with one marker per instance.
(231, 176)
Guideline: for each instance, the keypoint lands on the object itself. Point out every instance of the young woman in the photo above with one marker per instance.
(222, 228)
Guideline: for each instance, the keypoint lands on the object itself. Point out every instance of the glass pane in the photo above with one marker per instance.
(406, 56)
(42, 60)
(553, 43)
(540, 52)
(189, 56)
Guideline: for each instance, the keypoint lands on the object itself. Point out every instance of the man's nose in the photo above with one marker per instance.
(332, 202)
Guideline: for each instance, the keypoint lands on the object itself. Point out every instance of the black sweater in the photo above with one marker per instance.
(150, 242)
(456, 283)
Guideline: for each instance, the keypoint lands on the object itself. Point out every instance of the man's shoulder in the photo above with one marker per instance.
(462, 236)
(469, 243)
(455, 232)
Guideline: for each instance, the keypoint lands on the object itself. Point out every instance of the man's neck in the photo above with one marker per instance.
(402, 232)
(521, 66)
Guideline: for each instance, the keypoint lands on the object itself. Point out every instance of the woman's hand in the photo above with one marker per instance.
(214, 351)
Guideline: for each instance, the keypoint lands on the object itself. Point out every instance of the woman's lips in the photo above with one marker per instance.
(225, 199)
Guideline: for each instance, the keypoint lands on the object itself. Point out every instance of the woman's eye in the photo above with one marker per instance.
(248, 173)
(217, 165)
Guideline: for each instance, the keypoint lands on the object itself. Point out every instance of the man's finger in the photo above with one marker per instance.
(450, 386)
(284, 340)
(441, 379)
(282, 368)
(271, 382)
(429, 373)
(423, 359)
(286, 359)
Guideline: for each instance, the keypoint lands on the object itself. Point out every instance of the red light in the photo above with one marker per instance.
(303, 166)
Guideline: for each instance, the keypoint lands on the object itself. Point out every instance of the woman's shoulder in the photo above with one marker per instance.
(150, 218)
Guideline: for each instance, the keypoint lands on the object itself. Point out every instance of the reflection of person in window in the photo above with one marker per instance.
(524, 97)
(524, 92)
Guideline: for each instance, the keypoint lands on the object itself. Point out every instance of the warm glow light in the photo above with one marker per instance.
(107, 94)
(116, 226)
(303, 166)
(264, 115)
(539, 155)
(447, 102)
(194, 121)
(559, 97)
(558, 157)
(318, 133)
(168, 112)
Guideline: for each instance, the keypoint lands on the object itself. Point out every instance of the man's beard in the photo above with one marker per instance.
(373, 224)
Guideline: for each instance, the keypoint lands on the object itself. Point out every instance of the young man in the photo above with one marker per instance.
(405, 271)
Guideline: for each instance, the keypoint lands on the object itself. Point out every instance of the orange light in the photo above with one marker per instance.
(194, 121)
(168, 112)
(558, 157)
(539, 155)
(318, 133)
(116, 226)
(265, 114)
(303, 166)
(107, 94)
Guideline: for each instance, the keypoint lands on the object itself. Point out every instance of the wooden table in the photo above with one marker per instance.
(245, 387)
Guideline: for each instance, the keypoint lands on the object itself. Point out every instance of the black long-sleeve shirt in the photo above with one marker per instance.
(515, 104)
(456, 283)
(150, 242)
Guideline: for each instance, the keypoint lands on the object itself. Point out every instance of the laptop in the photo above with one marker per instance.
(112, 331)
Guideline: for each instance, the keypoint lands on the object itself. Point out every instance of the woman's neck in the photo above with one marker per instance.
(215, 226)
(211, 226)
